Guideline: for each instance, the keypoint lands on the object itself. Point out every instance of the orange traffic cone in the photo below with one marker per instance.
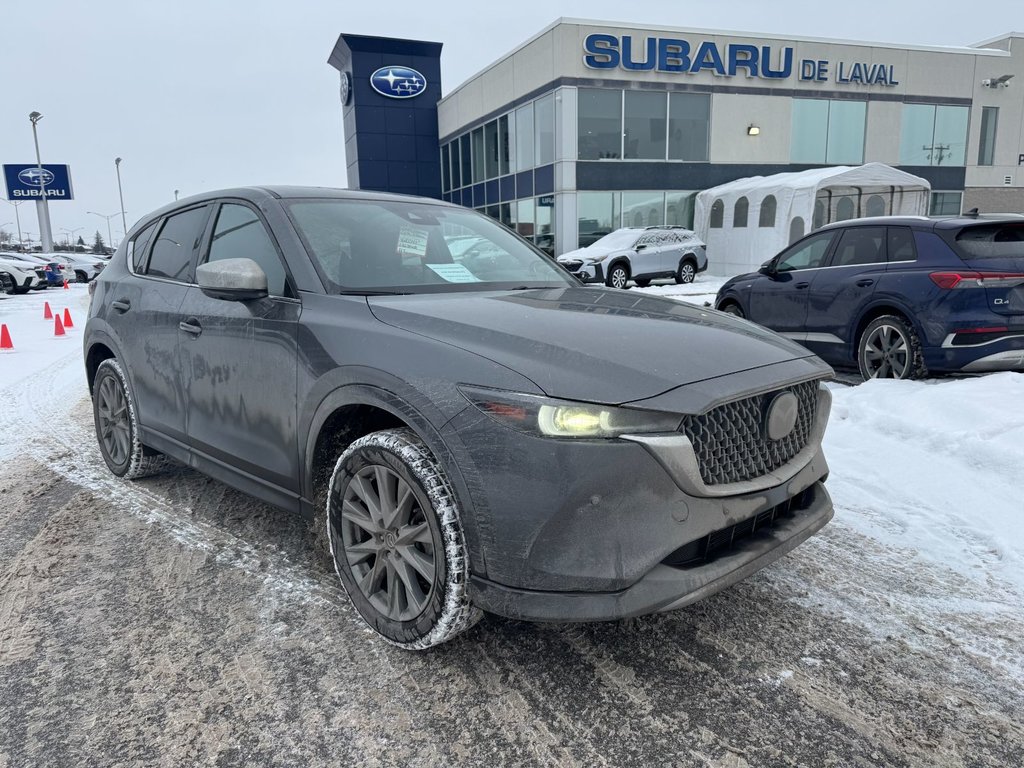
(67, 318)
(66, 286)
(47, 312)
(5, 338)
(58, 328)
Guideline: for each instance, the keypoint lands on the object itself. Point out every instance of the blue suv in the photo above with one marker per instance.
(896, 296)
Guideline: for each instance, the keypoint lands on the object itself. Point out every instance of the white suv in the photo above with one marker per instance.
(640, 254)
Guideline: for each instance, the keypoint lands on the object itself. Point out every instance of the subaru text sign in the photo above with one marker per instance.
(398, 82)
(25, 182)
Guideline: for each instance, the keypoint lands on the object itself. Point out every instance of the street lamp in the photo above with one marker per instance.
(120, 194)
(45, 235)
(17, 218)
(71, 233)
(110, 237)
(175, 194)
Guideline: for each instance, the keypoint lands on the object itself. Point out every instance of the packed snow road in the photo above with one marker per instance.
(173, 621)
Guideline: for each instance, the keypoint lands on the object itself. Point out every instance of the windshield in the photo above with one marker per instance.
(992, 241)
(620, 238)
(396, 247)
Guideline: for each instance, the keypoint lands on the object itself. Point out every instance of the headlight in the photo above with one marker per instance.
(596, 259)
(562, 418)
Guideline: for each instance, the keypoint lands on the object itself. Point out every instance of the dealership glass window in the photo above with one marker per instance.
(740, 211)
(598, 214)
(453, 155)
(767, 216)
(689, 123)
(987, 146)
(524, 137)
(544, 237)
(717, 215)
(446, 171)
(644, 125)
(505, 215)
(479, 164)
(643, 209)
(544, 126)
(679, 208)
(933, 135)
(503, 144)
(525, 218)
(828, 131)
(491, 149)
(467, 161)
(599, 122)
(945, 203)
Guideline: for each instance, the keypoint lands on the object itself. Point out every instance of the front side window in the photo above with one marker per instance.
(397, 247)
(172, 251)
(808, 254)
(239, 234)
(860, 245)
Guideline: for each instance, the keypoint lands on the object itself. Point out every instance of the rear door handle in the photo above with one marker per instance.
(801, 286)
(121, 305)
(865, 283)
(191, 326)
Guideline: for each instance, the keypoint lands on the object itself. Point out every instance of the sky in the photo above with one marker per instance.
(197, 95)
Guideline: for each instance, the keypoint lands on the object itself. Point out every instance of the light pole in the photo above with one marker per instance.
(17, 218)
(175, 194)
(110, 237)
(45, 235)
(120, 194)
(71, 233)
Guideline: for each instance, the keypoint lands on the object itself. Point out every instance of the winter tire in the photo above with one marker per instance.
(687, 272)
(618, 276)
(890, 349)
(396, 538)
(117, 426)
(732, 308)
(81, 277)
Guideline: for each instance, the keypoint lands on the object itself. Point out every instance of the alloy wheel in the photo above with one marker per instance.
(886, 353)
(114, 423)
(619, 278)
(388, 543)
(686, 273)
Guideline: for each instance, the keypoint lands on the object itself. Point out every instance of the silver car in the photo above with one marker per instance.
(640, 254)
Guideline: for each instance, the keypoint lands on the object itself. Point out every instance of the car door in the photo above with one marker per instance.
(144, 315)
(240, 358)
(646, 258)
(840, 291)
(778, 300)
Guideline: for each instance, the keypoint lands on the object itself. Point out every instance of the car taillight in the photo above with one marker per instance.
(954, 280)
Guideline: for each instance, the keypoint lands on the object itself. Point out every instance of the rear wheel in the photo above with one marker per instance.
(117, 426)
(618, 276)
(890, 349)
(395, 534)
(732, 308)
(81, 277)
(12, 290)
(687, 271)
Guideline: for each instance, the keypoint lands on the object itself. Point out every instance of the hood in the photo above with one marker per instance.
(591, 344)
(591, 252)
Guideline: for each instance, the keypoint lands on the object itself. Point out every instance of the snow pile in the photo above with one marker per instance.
(935, 467)
(703, 289)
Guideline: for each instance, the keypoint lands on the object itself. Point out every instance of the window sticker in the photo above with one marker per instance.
(454, 273)
(412, 241)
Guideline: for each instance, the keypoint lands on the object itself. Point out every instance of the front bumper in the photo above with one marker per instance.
(588, 272)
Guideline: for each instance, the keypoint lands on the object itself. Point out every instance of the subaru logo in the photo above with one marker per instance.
(36, 177)
(398, 82)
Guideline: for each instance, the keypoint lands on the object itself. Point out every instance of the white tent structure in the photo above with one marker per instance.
(746, 222)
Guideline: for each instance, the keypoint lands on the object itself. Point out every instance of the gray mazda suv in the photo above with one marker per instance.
(476, 432)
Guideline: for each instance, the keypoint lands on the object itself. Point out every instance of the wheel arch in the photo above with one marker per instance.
(873, 312)
(98, 352)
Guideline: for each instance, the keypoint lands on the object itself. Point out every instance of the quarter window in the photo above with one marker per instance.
(860, 245)
(137, 248)
(172, 251)
(901, 244)
(240, 234)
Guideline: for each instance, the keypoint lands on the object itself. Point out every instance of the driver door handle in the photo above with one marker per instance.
(121, 305)
(865, 283)
(801, 286)
(191, 326)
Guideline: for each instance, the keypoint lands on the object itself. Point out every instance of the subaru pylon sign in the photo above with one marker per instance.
(398, 82)
(26, 182)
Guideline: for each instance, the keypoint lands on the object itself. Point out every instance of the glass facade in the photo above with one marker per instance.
(945, 203)
(933, 135)
(602, 212)
(599, 116)
(828, 132)
(645, 122)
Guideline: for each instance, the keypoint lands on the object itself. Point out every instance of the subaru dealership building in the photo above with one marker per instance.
(590, 125)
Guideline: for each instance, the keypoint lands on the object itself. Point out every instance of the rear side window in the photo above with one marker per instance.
(172, 250)
(860, 245)
(901, 244)
(239, 234)
(991, 241)
(137, 248)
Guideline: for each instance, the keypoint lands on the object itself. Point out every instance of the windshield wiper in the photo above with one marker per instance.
(529, 287)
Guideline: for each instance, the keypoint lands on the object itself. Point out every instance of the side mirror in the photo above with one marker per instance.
(768, 268)
(232, 280)
(640, 247)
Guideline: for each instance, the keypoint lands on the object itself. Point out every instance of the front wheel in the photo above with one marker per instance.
(13, 289)
(732, 308)
(81, 277)
(618, 276)
(395, 534)
(890, 349)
